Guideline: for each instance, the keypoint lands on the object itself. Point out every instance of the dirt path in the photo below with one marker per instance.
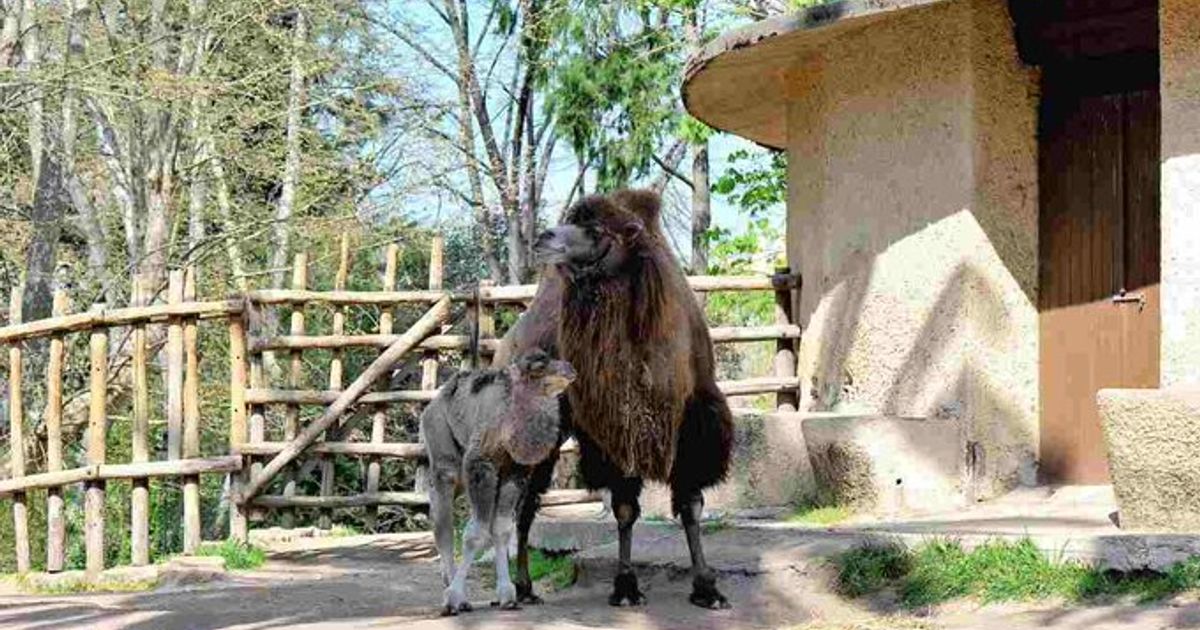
(774, 579)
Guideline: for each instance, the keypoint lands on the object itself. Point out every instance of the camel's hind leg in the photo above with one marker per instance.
(531, 499)
(625, 494)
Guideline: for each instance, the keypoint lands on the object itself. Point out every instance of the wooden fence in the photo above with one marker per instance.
(252, 345)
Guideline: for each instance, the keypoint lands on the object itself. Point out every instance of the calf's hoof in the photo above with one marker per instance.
(705, 594)
(625, 591)
(525, 594)
(454, 602)
(506, 597)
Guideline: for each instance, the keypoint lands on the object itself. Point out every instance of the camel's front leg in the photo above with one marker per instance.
(704, 581)
(502, 531)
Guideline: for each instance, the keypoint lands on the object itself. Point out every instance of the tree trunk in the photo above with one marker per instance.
(701, 195)
(197, 183)
(291, 168)
(41, 254)
(497, 169)
(701, 208)
(233, 249)
(483, 218)
(98, 282)
(30, 58)
(10, 32)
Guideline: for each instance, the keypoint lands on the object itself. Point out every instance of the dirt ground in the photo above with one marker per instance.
(774, 579)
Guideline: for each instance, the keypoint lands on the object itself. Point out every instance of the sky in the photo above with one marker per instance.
(562, 171)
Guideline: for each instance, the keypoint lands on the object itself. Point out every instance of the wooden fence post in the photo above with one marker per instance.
(785, 349)
(487, 319)
(191, 420)
(140, 496)
(97, 428)
(291, 419)
(429, 360)
(56, 529)
(16, 427)
(239, 526)
(258, 422)
(328, 481)
(175, 368)
(379, 414)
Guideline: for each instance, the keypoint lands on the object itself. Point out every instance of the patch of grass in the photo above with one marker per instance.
(717, 524)
(558, 569)
(343, 531)
(997, 571)
(237, 555)
(828, 515)
(76, 586)
(870, 568)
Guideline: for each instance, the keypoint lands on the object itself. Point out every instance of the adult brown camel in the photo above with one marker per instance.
(615, 303)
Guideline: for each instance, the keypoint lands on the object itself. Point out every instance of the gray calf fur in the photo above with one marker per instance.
(484, 431)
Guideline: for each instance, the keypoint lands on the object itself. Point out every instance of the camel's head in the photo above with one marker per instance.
(599, 233)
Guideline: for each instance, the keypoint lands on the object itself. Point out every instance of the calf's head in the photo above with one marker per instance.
(530, 431)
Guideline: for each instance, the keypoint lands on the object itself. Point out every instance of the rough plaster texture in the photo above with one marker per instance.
(1153, 438)
(913, 219)
(868, 463)
(770, 466)
(1180, 75)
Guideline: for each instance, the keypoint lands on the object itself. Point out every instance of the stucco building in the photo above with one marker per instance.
(995, 208)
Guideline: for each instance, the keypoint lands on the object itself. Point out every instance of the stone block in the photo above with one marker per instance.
(887, 465)
(769, 467)
(1153, 439)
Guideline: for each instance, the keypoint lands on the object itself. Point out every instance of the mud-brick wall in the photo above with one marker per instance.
(913, 217)
(1179, 33)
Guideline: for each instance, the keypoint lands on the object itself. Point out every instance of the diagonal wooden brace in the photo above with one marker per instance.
(424, 327)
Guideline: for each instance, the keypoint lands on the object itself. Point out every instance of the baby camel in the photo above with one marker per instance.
(485, 430)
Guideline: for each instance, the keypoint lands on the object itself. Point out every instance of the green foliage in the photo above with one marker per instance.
(613, 87)
(558, 570)
(755, 182)
(997, 571)
(237, 555)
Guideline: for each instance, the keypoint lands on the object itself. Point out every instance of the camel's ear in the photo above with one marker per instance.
(642, 202)
(632, 231)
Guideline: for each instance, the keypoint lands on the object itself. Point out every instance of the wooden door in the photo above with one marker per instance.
(1099, 254)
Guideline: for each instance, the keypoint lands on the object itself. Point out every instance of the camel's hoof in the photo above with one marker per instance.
(525, 595)
(705, 595)
(465, 607)
(452, 611)
(625, 591)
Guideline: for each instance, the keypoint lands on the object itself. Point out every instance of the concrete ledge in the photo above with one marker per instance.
(769, 467)
(886, 464)
(1153, 438)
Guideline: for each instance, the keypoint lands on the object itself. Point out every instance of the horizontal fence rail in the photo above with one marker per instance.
(272, 441)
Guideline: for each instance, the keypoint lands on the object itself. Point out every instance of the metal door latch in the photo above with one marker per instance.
(1124, 297)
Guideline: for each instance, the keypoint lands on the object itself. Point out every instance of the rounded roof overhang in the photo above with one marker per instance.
(740, 82)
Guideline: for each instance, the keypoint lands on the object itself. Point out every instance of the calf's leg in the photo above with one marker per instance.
(441, 512)
(482, 480)
(502, 531)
